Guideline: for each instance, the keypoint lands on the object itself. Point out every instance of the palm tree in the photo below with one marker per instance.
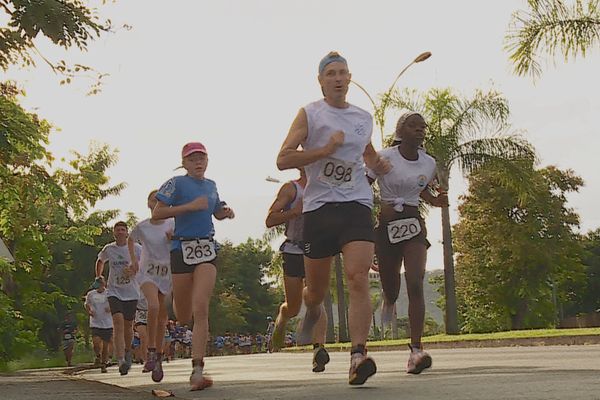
(468, 133)
(549, 25)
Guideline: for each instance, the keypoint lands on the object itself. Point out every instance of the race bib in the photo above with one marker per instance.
(156, 269)
(123, 280)
(337, 173)
(198, 251)
(403, 229)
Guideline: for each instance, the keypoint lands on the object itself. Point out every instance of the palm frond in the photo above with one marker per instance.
(548, 26)
(475, 154)
(483, 112)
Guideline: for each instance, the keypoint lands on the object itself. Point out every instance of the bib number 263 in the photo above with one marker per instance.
(198, 251)
(403, 229)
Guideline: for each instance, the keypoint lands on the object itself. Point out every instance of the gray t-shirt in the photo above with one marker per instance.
(119, 285)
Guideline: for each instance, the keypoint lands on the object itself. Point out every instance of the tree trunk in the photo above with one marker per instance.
(341, 300)
(518, 319)
(330, 338)
(449, 284)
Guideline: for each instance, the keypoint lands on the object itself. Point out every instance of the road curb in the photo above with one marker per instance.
(572, 340)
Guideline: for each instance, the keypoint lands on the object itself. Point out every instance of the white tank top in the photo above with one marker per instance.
(294, 227)
(407, 179)
(340, 177)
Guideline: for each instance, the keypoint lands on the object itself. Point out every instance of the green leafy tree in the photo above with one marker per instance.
(66, 23)
(551, 25)
(468, 133)
(41, 209)
(243, 297)
(512, 254)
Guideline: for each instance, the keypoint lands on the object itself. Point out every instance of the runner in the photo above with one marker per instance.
(101, 324)
(155, 283)
(193, 200)
(122, 291)
(140, 325)
(336, 142)
(68, 330)
(287, 209)
(401, 235)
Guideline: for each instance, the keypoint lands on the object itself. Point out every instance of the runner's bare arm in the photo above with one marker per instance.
(374, 161)
(441, 200)
(163, 211)
(132, 256)
(290, 157)
(99, 267)
(277, 214)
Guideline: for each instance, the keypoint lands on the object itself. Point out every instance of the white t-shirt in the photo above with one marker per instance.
(98, 302)
(119, 285)
(407, 179)
(155, 261)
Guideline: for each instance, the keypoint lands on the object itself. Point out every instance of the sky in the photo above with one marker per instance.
(233, 75)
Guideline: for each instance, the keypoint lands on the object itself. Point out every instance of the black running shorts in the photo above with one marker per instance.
(293, 265)
(178, 266)
(103, 333)
(125, 307)
(391, 254)
(331, 226)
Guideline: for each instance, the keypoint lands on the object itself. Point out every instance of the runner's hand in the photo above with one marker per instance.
(199, 203)
(335, 141)
(441, 200)
(382, 166)
(228, 212)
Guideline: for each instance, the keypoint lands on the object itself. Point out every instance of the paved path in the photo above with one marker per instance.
(552, 372)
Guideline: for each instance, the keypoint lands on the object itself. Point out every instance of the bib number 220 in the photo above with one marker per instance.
(403, 229)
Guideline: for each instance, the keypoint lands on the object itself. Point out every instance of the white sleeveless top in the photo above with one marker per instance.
(340, 177)
(294, 227)
(407, 179)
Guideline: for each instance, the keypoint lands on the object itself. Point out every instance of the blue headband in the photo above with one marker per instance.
(333, 56)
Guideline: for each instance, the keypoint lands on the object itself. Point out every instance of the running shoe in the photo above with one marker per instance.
(103, 368)
(150, 362)
(361, 368)
(418, 361)
(157, 371)
(128, 358)
(97, 361)
(123, 367)
(197, 380)
(320, 359)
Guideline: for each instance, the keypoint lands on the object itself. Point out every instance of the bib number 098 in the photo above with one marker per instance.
(337, 173)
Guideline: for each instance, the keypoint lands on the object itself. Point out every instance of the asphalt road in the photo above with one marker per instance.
(549, 372)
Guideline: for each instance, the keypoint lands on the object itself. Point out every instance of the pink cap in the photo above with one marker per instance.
(193, 147)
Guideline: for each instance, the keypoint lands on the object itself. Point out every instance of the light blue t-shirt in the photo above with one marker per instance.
(197, 224)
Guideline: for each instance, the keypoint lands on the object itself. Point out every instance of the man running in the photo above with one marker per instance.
(122, 292)
(101, 324)
(287, 209)
(68, 330)
(336, 143)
